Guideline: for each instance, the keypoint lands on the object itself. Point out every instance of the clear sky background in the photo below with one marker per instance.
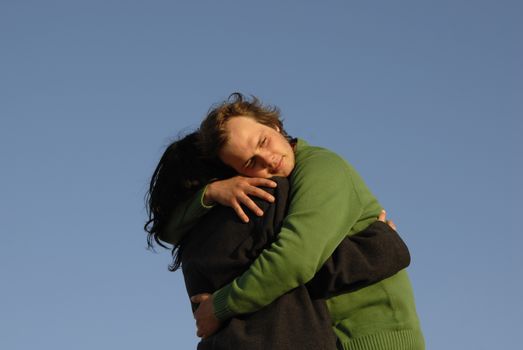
(424, 98)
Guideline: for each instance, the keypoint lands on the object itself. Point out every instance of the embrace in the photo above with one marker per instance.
(281, 243)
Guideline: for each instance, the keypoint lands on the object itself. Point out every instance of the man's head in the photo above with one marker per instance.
(249, 137)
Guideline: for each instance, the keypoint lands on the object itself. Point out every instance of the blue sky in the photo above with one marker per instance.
(423, 98)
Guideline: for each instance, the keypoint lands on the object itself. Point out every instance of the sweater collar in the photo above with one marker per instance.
(300, 144)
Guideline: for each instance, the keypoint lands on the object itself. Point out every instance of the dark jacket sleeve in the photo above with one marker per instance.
(367, 257)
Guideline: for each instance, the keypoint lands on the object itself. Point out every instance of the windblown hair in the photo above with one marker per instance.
(212, 129)
(181, 172)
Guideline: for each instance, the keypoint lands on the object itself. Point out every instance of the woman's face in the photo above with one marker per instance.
(256, 150)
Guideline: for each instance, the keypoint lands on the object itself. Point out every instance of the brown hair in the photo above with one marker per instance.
(212, 129)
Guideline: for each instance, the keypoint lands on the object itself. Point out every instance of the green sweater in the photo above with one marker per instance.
(328, 200)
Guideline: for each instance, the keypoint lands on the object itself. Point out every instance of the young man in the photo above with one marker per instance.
(328, 200)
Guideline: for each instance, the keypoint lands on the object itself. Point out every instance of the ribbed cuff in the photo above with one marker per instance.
(408, 339)
(201, 198)
(221, 308)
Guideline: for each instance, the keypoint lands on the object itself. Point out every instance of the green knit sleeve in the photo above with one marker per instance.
(324, 205)
(184, 217)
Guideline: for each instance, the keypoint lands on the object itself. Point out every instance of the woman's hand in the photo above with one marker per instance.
(236, 191)
(383, 218)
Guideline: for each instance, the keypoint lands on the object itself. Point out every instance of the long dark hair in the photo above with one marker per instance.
(181, 172)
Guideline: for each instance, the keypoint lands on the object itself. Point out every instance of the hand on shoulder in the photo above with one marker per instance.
(235, 191)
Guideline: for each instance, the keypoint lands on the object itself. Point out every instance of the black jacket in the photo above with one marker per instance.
(221, 247)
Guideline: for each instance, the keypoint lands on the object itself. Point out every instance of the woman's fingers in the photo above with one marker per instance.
(239, 211)
(391, 224)
(383, 218)
(260, 181)
(235, 191)
(254, 188)
(258, 192)
(249, 203)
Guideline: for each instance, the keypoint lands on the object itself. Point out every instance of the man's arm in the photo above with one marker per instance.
(369, 256)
